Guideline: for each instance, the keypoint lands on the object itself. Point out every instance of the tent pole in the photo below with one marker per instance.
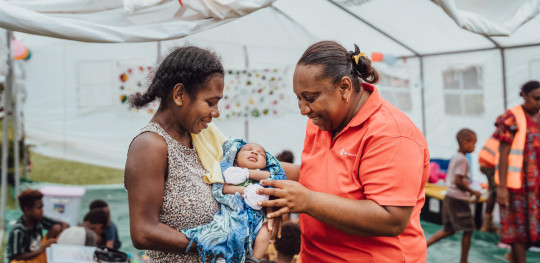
(5, 140)
(504, 78)
(17, 174)
(472, 50)
(25, 159)
(158, 53)
(246, 121)
(503, 65)
(422, 91)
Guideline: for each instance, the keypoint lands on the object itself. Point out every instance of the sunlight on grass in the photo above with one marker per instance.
(53, 170)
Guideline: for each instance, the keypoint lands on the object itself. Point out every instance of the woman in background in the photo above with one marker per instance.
(518, 178)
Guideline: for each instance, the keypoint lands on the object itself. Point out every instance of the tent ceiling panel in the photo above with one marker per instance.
(419, 24)
(273, 30)
(328, 22)
(276, 42)
(527, 34)
(491, 9)
(490, 17)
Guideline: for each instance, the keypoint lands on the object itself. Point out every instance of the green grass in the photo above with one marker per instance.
(54, 170)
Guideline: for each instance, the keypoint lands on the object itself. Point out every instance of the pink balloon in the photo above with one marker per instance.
(19, 49)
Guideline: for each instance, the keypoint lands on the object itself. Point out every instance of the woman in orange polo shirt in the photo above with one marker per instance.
(364, 165)
(517, 175)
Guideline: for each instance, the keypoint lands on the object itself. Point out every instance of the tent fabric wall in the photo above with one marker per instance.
(59, 123)
(442, 127)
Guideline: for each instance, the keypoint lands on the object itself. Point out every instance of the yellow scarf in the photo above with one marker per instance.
(208, 144)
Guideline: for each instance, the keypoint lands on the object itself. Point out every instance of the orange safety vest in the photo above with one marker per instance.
(515, 157)
(488, 153)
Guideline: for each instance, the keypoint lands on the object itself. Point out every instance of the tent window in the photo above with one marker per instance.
(396, 90)
(463, 91)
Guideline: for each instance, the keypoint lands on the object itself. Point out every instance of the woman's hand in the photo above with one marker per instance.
(502, 196)
(292, 197)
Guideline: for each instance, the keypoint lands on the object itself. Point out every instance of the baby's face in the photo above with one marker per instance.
(251, 156)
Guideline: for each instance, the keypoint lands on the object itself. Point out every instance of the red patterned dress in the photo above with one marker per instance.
(521, 219)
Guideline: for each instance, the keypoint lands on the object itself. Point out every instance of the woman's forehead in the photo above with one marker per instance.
(310, 77)
(213, 87)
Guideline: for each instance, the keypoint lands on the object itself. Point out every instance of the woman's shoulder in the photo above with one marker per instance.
(148, 141)
(390, 122)
(507, 119)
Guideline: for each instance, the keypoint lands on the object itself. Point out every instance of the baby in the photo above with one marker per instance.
(238, 232)
(243, 178)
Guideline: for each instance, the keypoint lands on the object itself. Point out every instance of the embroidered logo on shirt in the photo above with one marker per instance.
(342, 152)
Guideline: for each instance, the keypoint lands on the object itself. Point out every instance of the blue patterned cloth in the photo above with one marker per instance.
(232, 232)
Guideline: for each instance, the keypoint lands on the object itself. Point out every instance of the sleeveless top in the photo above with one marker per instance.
(187, 200)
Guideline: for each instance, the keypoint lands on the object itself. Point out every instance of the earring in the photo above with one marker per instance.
(347, 99)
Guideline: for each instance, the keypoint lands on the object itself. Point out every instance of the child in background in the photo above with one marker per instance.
(26, 242)
(457, 215)
(110, 232)
(285, 156)
(89, 233)
(288, 245)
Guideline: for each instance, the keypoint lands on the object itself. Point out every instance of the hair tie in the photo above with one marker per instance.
(357, 57)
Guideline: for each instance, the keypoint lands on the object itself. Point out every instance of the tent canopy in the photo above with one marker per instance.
(63, 103)
(423, 28)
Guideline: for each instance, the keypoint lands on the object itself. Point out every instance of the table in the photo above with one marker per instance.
(432, 210)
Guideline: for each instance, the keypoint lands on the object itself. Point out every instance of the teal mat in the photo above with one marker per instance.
(483, 246)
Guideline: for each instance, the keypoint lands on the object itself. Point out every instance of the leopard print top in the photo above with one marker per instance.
(187, 200)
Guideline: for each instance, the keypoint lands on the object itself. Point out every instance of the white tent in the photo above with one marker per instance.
(445, 78)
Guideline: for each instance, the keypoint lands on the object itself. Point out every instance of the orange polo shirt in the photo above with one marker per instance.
(380, 156)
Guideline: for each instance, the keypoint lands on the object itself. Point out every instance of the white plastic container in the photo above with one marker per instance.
(62, 202)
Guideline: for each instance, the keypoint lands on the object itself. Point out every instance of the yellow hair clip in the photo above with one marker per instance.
(357, 57)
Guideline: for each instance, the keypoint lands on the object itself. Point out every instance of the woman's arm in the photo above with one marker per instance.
(292, 171)
(392, 171)
(502, 191)
(357, 217)
(145, 180)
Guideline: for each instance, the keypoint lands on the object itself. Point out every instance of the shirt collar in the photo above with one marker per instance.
(372, 104)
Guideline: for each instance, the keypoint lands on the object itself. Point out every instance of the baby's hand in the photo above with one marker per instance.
(235, 175)
(252, 198)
